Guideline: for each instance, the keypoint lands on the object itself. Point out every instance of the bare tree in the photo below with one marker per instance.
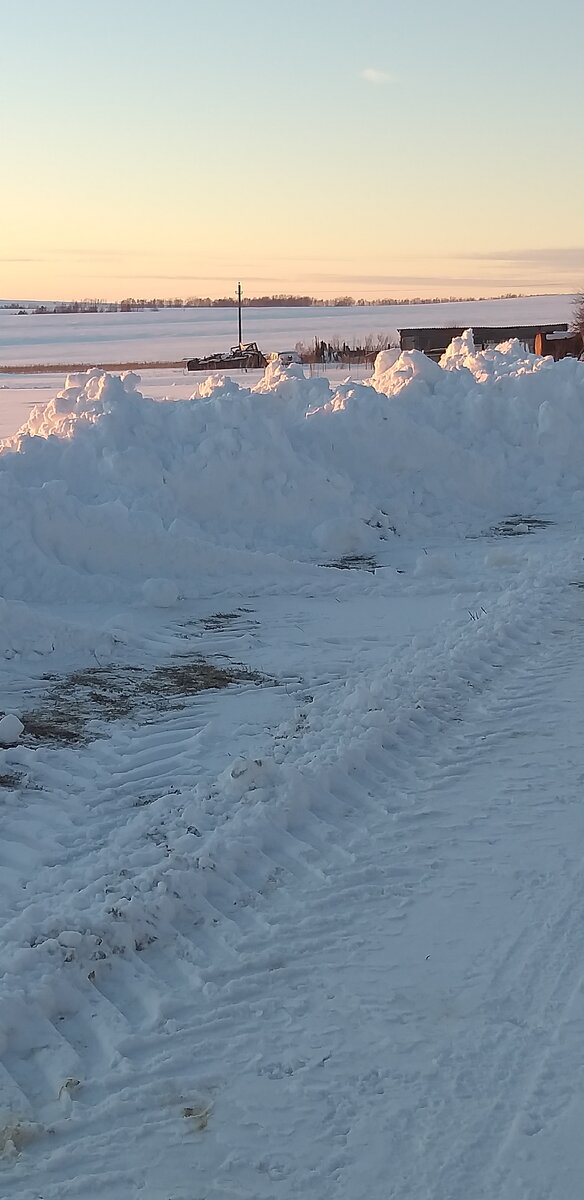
(578, 315)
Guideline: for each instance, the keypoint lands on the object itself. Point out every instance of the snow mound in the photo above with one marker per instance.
(104, 488)
(509, 358)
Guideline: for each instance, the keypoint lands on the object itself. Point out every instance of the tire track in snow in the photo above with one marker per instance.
(530, 996)
(138, 764)
(338, 879)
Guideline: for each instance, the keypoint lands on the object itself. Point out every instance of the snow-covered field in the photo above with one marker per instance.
(291, 865)
(174, 334)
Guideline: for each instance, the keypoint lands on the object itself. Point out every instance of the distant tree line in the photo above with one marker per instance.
(130, 304)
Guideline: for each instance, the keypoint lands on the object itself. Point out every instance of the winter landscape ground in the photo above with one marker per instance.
(291, 779)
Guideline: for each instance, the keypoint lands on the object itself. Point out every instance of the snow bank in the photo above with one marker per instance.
(26, 630)
(106, 491)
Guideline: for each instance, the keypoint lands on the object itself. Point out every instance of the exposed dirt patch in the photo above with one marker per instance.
(112, 692)
(198, 1115)
(220, 621)
(354, 562)
(518, 526)
(10, 780)
(188, 677)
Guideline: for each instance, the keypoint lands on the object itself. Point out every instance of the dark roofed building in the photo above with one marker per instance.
(434, 342)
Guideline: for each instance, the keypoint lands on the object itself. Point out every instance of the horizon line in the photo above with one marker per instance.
(277, 300)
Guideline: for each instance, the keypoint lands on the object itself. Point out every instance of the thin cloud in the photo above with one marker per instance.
(374, 75)
(131, 275)
(559, 257)
(437, 282)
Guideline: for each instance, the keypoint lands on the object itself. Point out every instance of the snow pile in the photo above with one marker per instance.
(509, 358)
(483, 433)
(106, 488)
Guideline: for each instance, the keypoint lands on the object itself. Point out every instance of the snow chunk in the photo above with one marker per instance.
(10, 730)
(70, 938)
(162, 593)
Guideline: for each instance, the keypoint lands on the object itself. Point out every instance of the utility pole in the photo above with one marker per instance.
(239, 314)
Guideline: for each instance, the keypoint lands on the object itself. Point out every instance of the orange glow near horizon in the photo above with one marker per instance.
(317, 156)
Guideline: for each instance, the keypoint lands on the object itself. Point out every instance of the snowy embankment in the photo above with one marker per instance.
(104, 488)
(173, 860)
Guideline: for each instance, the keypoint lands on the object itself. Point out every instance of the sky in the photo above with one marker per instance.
(327, 147)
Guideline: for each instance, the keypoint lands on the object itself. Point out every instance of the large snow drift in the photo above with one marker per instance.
(106, 491)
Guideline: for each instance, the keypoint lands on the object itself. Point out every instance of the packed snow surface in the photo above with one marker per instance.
(292, 896)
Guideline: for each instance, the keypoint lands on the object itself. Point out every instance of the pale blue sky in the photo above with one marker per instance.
(171, 147)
